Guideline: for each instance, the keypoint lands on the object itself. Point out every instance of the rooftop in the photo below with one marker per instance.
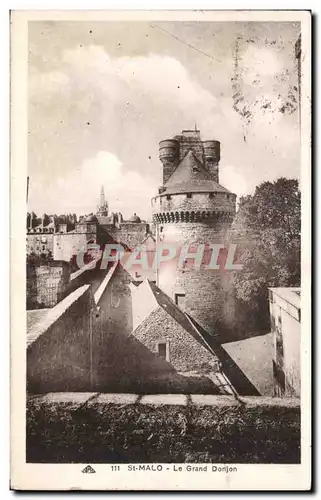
(191, 176)
(135, 218)
(292, 295)
(254, 357)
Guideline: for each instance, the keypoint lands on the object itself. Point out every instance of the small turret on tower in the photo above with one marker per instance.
(173, 151)
(212, 156)
(169, 156)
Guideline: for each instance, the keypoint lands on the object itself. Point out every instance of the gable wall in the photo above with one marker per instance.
(185, 353)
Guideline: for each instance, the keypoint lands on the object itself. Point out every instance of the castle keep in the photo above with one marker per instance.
(193, 208)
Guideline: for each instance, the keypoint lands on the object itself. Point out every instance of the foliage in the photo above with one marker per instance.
(267, 227)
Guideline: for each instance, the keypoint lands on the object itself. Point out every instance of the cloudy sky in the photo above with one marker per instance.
(103, 94)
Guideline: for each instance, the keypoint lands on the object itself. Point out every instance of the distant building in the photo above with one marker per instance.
(285, 314)
(67, 244)
(40, 237)
(47, 283)
(63, 241)
(102, 209)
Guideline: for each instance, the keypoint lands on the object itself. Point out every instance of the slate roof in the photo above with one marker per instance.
(191, 176)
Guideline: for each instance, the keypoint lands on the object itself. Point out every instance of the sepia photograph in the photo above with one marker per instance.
(165, 299)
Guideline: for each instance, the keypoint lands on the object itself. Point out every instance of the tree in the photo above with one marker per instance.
(267, 229)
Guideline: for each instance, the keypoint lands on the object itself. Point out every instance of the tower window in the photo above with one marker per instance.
(195, 169)
(211, 195)
(179, 299)
(163, 350)
(168, 197)
(189, 195)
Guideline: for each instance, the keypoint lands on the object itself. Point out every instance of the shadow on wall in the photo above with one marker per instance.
(70, 350)
(126, 365)
(58, 348)
(115, 303)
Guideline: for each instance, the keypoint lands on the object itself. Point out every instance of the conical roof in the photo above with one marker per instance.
(191, 176)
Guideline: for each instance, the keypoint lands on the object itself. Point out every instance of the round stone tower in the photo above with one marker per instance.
(192, 213)
(169, 156)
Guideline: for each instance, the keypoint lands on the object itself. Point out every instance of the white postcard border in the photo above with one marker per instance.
(69, 476)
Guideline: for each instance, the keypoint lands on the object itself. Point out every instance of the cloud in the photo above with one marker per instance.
(162, 76)
(232, 178)
(78, 191)
(47, 82)
(123, 105)
(115, 110)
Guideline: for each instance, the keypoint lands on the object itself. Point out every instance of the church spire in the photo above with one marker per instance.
(102, 196)
(102, 208)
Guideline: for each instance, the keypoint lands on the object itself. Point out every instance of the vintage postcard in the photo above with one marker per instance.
(160, 255)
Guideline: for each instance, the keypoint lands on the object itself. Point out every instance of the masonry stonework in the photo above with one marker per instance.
(94, 428)
(184, 352)
(130, 234)
(47, 283)
(192, 208)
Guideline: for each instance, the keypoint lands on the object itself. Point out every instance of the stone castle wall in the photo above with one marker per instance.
(40, 243)
(67, 245)
(75, 347)
(204, 289)
(130, 234)
(59, 347)
(198, 202)
(47, 283)
(125, 428)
